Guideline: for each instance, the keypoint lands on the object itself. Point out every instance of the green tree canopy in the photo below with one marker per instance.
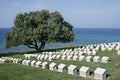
(35, 29)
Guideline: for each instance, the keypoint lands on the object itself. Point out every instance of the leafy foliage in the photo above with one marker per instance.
(39, 27)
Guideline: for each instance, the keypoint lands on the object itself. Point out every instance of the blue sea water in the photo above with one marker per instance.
(83, 36)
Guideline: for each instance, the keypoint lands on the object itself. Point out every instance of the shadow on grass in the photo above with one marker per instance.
(91, 73)
(15, 53)
(108, 75)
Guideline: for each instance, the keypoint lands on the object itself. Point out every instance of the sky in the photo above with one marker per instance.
(79, 13)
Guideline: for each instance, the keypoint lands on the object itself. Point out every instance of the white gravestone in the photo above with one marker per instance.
(100, 74)
(61, 67)
(72, 69)
(84, 71)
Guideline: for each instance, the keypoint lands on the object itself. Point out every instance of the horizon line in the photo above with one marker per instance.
(83, 27)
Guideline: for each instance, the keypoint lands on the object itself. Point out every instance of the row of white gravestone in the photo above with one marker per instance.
(2, 60)
(103, 47)
(17, 60)
(76, 51)
(86, 51)
(45, 65)
(73, 52)
(90, 50)
(104, 59)
(40, 56)
(28, 56)
(83, 71)
(99, 73)
(8, 59)
(108, 45)
(5, 59)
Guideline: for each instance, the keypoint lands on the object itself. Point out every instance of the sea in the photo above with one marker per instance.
(83, 36)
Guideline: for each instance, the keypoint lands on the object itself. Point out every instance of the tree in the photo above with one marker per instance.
(35, 29)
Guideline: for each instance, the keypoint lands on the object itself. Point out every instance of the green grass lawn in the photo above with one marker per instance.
(12, 71)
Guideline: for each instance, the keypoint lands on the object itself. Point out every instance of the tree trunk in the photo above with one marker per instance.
(35, 46)
(41, 46)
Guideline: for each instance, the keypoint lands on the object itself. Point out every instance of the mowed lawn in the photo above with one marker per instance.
(12, 71)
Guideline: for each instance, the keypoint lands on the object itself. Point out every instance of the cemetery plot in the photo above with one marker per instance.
(48, 60)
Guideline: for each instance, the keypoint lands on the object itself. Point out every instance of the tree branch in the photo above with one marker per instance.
(29, 46)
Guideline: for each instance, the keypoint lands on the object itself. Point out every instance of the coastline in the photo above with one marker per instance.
(83, 36)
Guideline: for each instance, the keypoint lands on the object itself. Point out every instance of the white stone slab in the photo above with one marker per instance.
(42, 57)
(52, 66)
(72, 69)
(63, 57)
(88, 58)
(69, 57)
(58, 56)
(38, 57)
(28, 62)
(33, 63)
(118, 53)
(100, 74)
(105, 59)
(81, 58)
(75, 58)
(45, 57)
(84, 71)
(38, 64)
(61, 67)
(96, 59)
(44, 65)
